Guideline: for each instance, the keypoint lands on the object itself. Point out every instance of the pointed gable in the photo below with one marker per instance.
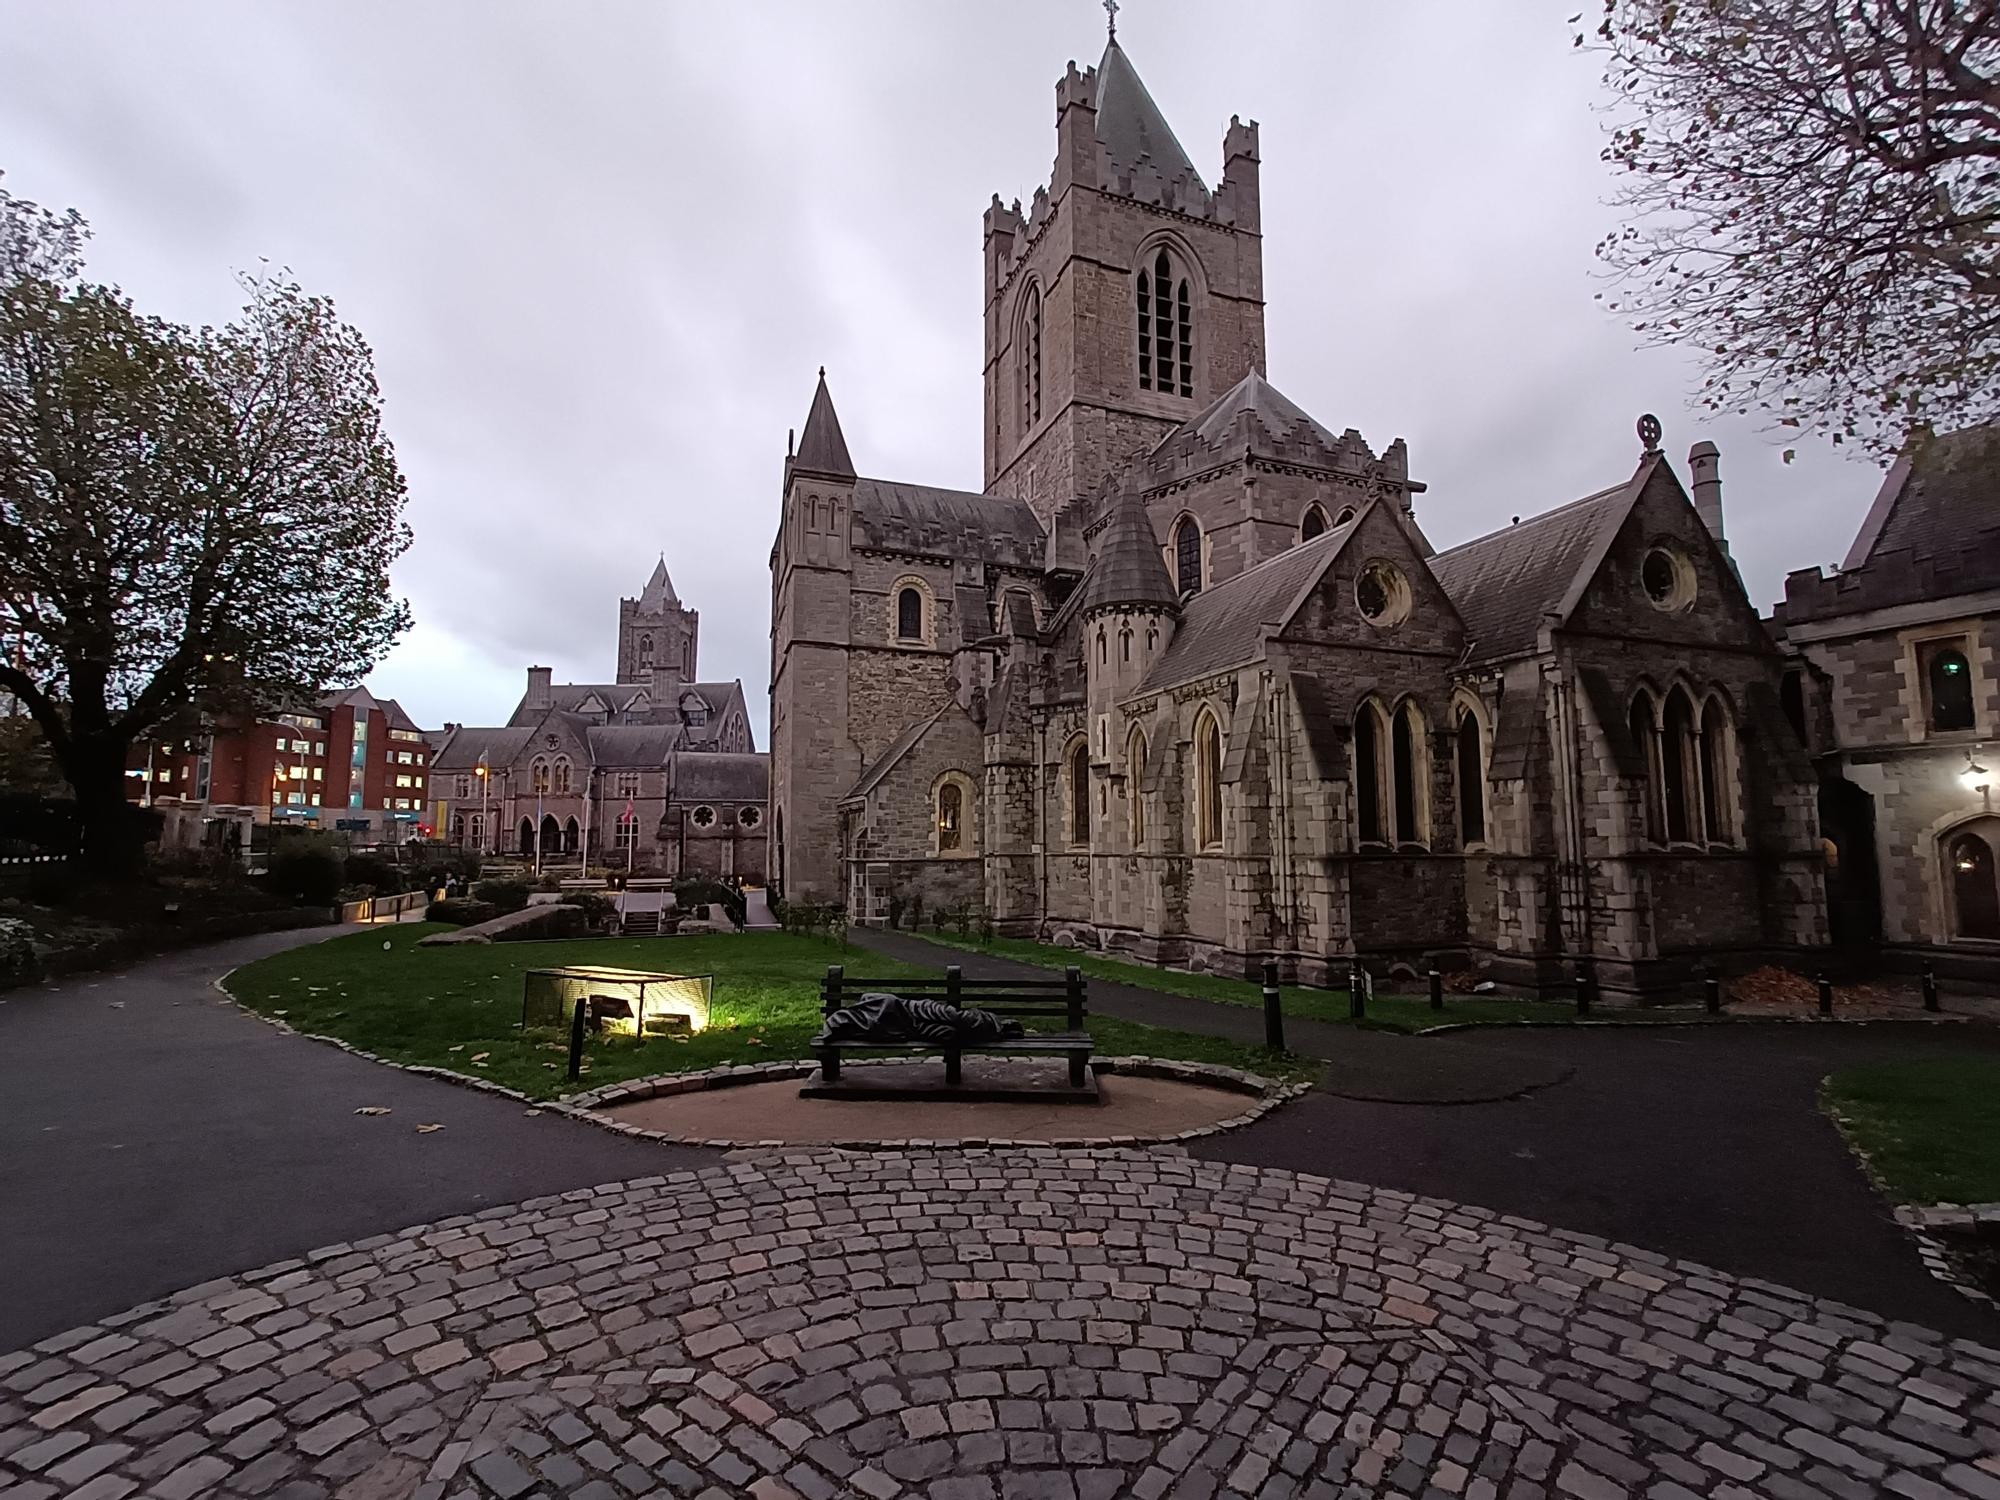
(658, 594)
(822, 446)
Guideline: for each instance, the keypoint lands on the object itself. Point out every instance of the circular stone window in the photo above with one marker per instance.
(749, 816)
(1668, 579)
(703, 816)
(1382, 594)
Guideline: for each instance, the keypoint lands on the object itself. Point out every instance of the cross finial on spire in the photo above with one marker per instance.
(1111, 14)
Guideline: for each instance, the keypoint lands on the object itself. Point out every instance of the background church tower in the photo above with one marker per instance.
(1126, 299)
(657, 632)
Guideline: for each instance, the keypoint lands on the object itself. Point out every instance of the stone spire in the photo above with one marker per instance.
(822, 449)
(659, 590)
(1128, 570)
(1130, 124)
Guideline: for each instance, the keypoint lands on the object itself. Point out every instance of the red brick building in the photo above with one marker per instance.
(355, 763)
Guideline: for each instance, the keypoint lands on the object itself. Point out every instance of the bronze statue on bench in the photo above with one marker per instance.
(882, 1018)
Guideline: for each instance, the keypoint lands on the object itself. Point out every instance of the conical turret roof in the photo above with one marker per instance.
(659, 590)
(1128, 569)
(1130, 124)
(822, 448)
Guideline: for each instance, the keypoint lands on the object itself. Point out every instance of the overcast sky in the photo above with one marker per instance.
(601, 247)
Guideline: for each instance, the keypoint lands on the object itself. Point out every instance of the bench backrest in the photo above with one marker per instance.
(1004, 997)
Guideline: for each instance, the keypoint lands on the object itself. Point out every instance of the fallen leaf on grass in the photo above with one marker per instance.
(280, 1012)
(459, 1048)
(373, 1109)
(117, 1004)
(427, 1129)
(478, 1057)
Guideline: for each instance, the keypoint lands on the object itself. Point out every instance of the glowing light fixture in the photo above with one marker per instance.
(621, 1002)
(1975, 776)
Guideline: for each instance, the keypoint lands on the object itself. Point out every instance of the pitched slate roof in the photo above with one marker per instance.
(1223, 626)
(1933, 532)
(899, 747)
(920, 518)
(569, 698)
(721, 777)
(822, 447)
(1504, 583)
(632, 744)
(1130, 124)
(469, 746)
(1128, 568)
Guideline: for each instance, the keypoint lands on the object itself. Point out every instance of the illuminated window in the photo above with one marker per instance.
(1975, 896)
(950, 813)
(1948, 675)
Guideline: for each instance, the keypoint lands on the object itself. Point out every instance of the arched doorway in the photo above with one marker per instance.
(1853, 889)
(570, 835)
(527, 838)
(551, 834)
(1971, 882)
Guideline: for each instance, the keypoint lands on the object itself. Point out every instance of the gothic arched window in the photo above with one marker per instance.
(570, 834)
(1313, 525)
(910, 615)
(1714, 764)
(1646, 736)
(1135, 767)
(1677, 764)
(1166, 329)
(1406, 755)
(1975, 896)
(1949, 676)
(1187, 556)
(950, 817)
(1471, 780)
(1031, 359)
(559, 780)
(1207, 781)
(1079, 793)
(645, 653)
(1368, 775)
(538, 775)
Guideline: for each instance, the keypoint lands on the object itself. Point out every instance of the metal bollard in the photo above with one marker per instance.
(1274, 1008)
(1825, 996)
(579, 1013)
(1583, 989)
(1437, 990)
(1357, 993)
(1711, 993)
(1930, 988)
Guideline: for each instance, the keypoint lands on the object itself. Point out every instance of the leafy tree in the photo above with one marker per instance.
(1812, 198)
(189, 518)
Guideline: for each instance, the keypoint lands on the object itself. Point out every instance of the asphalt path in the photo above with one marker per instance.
(1703, 1142)
(153, 1136)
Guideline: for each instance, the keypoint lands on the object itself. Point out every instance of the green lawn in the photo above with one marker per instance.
(1392, 1012)
(460, 1007)
(1930, 1129)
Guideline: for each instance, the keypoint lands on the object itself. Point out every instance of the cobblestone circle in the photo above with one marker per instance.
(1022, 1325)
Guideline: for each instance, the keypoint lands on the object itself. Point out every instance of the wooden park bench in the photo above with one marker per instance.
(1012, 998)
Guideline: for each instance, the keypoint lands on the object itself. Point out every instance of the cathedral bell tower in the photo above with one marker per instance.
(1128, 297)
(656, 632)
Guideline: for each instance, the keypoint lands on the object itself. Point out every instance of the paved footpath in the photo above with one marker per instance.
(152, 1136)
(973, 1326)
(1706, 1142)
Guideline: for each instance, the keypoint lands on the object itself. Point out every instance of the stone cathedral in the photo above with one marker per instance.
(1187, 681)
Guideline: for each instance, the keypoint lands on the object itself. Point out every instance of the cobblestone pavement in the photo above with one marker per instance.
(979, 1326)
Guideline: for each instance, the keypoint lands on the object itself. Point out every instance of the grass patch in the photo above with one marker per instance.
(459, 1007)
(1406, 1013)
(1930, 1129)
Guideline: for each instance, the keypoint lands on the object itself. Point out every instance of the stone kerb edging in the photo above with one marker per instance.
(1927, 1225)
(1267, 1094)
(586, 1106)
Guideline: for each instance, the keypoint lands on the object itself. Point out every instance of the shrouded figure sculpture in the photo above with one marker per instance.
(881, 1018)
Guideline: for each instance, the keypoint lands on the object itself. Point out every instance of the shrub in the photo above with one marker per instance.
(504, 895)
(598, 908)
(304, 868)
(698, 892)
(460, 912)
(19, 962)
(373, 871)
(439, 864)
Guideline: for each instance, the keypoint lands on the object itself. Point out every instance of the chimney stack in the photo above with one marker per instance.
(538, 686)
(1705, 466)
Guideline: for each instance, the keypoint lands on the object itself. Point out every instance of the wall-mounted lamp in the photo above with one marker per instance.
(1975, 776)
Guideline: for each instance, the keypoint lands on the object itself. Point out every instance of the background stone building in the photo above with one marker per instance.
(1188, 680)
(654, 771)
(1896, 689)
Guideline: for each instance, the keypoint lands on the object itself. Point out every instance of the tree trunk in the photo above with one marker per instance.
(112, 830)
